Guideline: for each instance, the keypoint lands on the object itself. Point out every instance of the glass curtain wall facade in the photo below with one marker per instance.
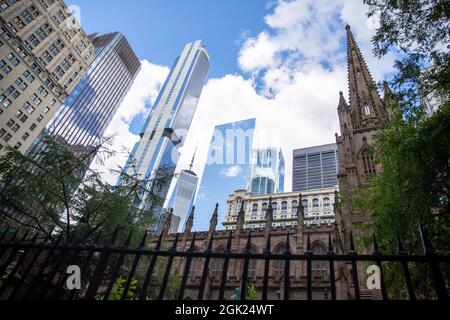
(266, 174)
(315, 168)
(226, 170)
(182, 199)
(156, 154)
(82, 120)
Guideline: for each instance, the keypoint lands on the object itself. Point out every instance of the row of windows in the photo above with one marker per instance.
(284, 205)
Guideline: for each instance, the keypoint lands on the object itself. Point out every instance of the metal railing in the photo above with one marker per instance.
(32, 269)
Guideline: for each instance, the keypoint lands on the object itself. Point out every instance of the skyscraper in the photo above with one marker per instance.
(182, 199)
(156, 154)
(226, 170)
(266, 174)
(87, 112)
(315, 168)
(44, 53)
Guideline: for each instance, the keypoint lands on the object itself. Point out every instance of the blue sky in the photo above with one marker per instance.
(158, 30)
(282, 62)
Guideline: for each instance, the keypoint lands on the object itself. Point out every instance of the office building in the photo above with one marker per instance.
(226, 170)
(44, 53)
(182, 199)
(87, 112)
(315, 168)
(266, 174)
(156, 155)
(318, 206)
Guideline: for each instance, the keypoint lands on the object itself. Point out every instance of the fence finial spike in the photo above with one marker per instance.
(159, 242)
(192, 246)
(426, 244)
(230, 237)
(175, 242)
(98, 237)
(210, 243)
(268, 243)
(144, 237)
(288, 247)
(24, 237)
(249, 240)
(112, 240)
(330, 243)
(375, 244)
(352, 242)
(128, 239)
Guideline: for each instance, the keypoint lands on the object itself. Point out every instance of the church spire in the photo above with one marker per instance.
(366, 107)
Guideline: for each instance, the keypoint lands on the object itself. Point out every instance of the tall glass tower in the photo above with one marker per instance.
(182, 199)
(156, 154)
(266, 174)
(226, 170)
(82, 120)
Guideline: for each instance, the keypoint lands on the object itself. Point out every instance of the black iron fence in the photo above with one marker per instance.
(38, 269)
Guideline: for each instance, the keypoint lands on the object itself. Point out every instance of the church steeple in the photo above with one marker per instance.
(366, 107)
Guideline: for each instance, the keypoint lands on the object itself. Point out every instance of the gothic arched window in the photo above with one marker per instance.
(319, 268)
(216, 265)
(369, 167)
(278, 265)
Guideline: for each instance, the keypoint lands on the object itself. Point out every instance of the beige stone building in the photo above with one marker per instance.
(43, 54)
(318, 207)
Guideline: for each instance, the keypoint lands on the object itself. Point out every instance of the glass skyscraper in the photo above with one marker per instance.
(182, 199)
(315, 168)
(156, 154)
(226, 170)
(82, 120)
(266, 175)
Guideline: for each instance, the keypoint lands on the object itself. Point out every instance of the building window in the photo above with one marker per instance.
(17, 146)
(326, 203)
(319, 268)
(254, 208)
(315, 203)
(369, 168)
(305, 205)
(294, 205)
(25, 136)
(284, 206)
(7, 137)
(274, 206)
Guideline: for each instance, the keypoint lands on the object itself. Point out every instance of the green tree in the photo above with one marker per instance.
(54, 188)
(413, 150)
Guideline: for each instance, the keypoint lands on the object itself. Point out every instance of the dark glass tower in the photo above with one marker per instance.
(87, 112)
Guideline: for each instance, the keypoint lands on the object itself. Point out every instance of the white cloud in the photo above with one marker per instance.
(292, 74)
(231, 171)
(141, 95)
(295, 102)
